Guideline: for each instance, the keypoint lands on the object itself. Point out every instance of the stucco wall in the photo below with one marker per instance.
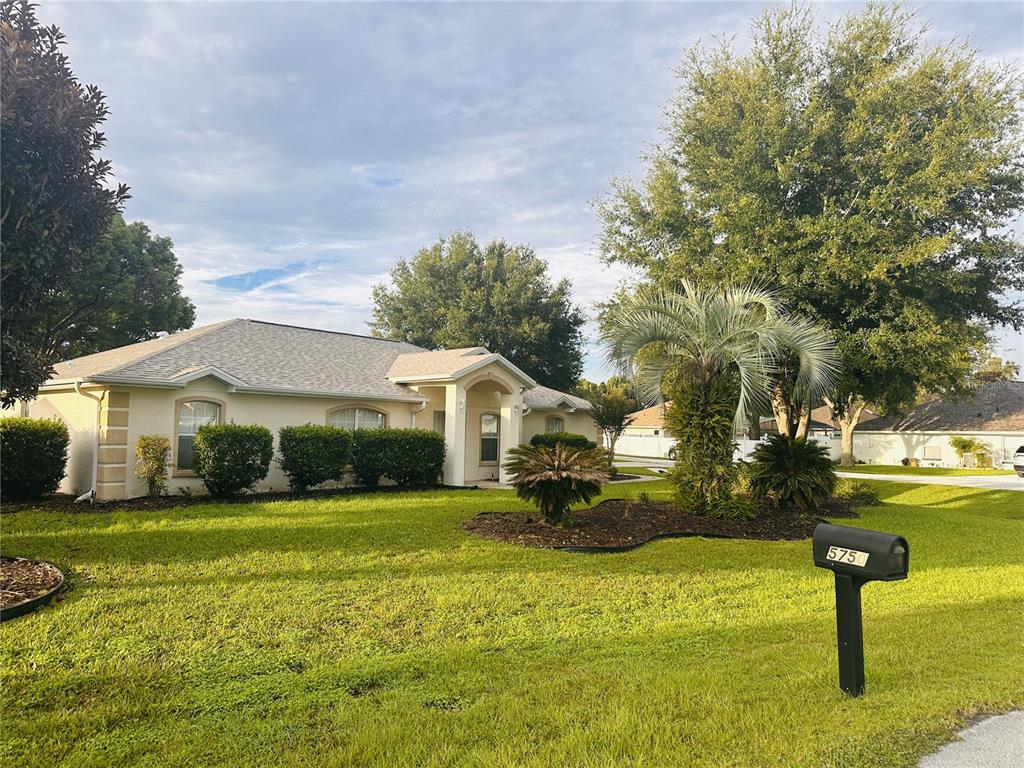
(893, 447)
(578, 422)
(78, 412)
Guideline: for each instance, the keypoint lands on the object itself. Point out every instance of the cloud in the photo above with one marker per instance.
(294, 152)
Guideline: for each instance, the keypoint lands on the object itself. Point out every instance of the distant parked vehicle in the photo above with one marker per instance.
(1018, 461)
(672, 453)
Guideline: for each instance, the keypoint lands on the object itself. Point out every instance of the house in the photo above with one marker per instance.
(253, 372)
(994, 414)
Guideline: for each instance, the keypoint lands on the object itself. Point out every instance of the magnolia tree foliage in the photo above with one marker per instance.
(456, 293)
(865, 172)
(55, 200)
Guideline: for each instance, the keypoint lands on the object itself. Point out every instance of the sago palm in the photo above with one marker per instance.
(556, 477)
(715, 353)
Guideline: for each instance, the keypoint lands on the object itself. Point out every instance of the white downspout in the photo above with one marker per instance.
(421, 409)
(95, 431)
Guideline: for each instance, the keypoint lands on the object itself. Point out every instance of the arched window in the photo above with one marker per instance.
(554, 424)
(357, 418)
(192, 414)
(489, 437)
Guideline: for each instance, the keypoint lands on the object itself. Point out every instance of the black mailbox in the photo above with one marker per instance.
(855, 557)
(870, 555)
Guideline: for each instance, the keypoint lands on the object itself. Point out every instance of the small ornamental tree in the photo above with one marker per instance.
(613, 413)
(231, 458)
(152, 453)
(33, 455)
(555, 478)
(312, 454)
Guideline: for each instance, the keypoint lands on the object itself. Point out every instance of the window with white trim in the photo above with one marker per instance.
(192, 415)
(357, 418)
(489, 438)
(933, 452)
(554, 424)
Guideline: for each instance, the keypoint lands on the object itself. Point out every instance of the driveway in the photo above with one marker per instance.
(988, 482)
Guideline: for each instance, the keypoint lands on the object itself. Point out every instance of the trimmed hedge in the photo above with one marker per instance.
(231, 458)
(406, 456)
(33, 455)
(571, 439)
(312, 454)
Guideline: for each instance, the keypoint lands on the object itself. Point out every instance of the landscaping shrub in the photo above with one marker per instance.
(556, 477)
(860, 493)
(231, 458)
(406, 456)
(797, 473)
(312, 454)
(910, 461)
(33, 455)
(151, 457)
(571, 439)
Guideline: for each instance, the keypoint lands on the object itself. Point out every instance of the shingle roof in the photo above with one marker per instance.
(649, 417)
(993, 407)
(263, 356)
(545, 397)
(440, 362)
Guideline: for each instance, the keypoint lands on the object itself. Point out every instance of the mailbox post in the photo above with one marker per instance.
(856, 556)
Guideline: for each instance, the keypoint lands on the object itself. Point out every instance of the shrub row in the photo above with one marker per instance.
(33, 456)
(570, 439)
(231, 458)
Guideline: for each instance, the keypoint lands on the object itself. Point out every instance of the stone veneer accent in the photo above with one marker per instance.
(112, 461)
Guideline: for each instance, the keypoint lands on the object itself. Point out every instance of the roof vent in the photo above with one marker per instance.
(162, 334)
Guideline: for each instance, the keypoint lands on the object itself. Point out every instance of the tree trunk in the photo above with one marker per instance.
(780, 410)
(804, 421)
(612, 440)
(754, 427)
(848, 420)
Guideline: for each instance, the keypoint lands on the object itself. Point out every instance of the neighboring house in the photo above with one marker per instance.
(646, 435)
(994, 414)
(252, 372)
(822, 424)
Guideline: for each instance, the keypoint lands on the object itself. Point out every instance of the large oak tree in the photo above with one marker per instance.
(455, 293)
(867, 174)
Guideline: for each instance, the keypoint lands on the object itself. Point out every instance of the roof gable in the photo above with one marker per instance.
(994, 407)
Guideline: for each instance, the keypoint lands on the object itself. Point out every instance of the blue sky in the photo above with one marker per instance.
(294, 152)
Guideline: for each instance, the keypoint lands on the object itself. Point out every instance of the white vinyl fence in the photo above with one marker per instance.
(658, 446)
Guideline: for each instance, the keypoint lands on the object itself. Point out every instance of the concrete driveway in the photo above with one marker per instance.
(987, 482)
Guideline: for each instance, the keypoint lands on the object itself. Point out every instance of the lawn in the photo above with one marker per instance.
(371, 631)
(889, 469)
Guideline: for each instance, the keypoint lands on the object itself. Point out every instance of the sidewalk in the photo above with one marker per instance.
(994, 742)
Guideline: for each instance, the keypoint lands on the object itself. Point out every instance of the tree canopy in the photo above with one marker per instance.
(865, 173)
(55, 201)
(455, 293)
(124, 289)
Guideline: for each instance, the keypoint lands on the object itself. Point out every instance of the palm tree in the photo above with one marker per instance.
(715, 353)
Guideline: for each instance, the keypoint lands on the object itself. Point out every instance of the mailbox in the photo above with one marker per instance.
(856, 556)
(869, 555)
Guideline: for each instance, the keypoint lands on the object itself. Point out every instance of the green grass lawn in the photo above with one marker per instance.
(371, 631)
(889, 469)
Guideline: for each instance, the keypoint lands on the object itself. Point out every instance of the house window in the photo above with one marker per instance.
(439, 422)
(554, 424)
(489, 438)
(357, 418)
(192, 415)
(933, 452)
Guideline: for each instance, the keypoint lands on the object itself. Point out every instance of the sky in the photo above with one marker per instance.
(294, 152)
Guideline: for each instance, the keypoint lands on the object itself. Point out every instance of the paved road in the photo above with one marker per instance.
(988, 482)
(995, 742)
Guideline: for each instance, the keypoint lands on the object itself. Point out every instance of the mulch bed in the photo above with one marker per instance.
(619, 478)
(619, 525)
(60, 502)
(24, 580)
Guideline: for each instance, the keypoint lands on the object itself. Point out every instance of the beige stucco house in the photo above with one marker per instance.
(252, 372)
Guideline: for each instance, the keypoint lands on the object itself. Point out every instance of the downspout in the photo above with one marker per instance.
(95, 430)
(421, 409)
